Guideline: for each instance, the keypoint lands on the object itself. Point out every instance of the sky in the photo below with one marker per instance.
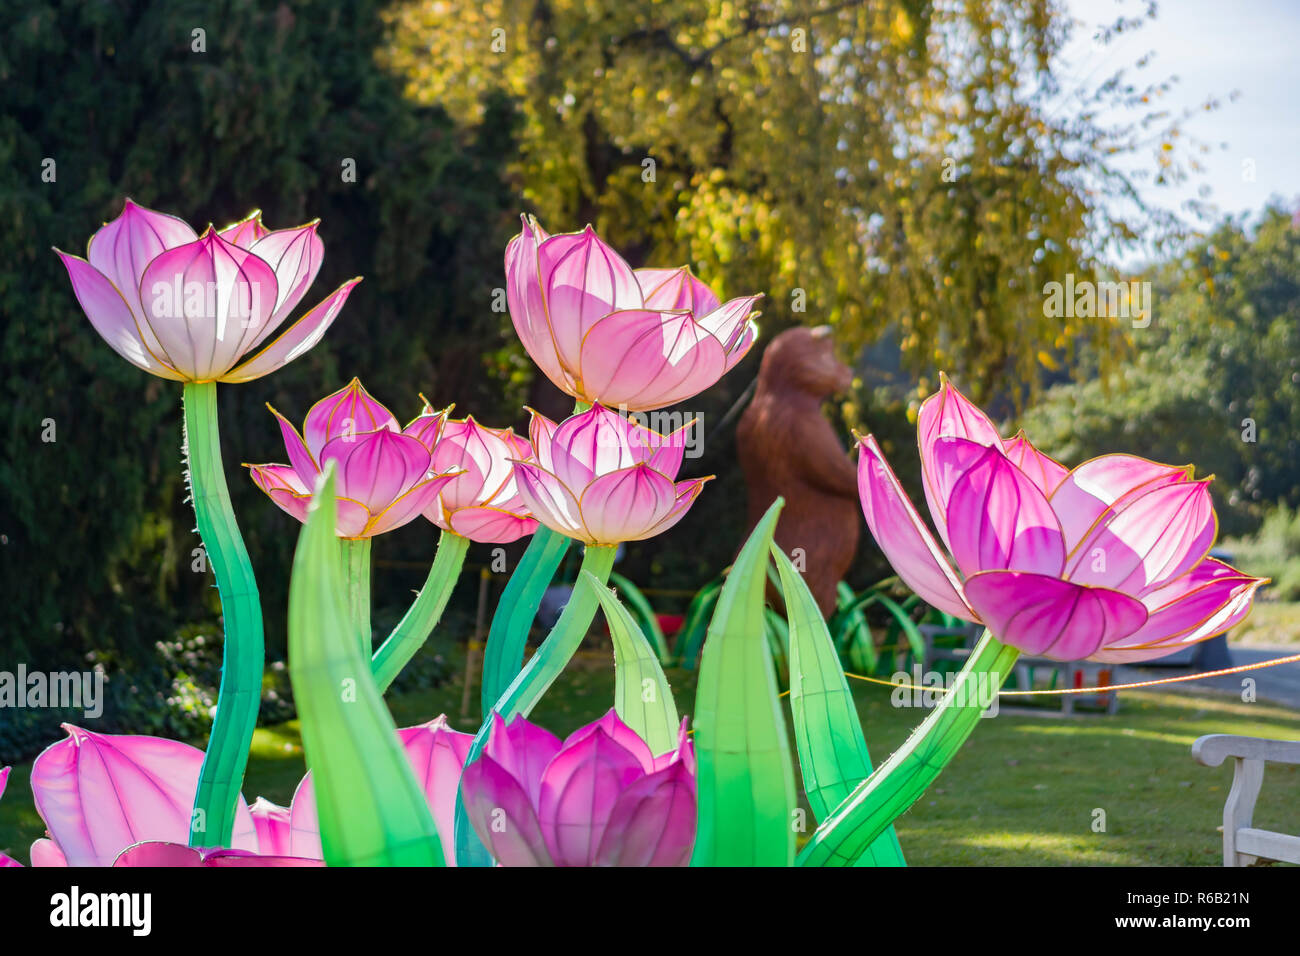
(1215, 47)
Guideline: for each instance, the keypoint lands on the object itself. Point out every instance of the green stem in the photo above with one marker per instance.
(503, 655)
(356, 568)
(532, 682)
(420, 619)
(565, 638)
(899, 782)
(243, 655)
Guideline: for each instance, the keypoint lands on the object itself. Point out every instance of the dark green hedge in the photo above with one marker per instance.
(95, 552)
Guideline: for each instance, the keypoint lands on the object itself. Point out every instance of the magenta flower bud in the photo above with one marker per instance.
(194, 308)
(482, 503)
(602, 479)
(604, 332)
(600, 798)
(1108, 561)
(385, 478)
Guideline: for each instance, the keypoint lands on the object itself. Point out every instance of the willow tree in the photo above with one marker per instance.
(878, 164)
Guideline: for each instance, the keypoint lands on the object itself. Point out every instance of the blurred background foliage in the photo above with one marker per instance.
(911, 172)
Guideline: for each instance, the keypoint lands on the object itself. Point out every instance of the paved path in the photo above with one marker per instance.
(1280, 684)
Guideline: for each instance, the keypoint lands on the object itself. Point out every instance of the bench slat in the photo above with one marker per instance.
(1270, 845)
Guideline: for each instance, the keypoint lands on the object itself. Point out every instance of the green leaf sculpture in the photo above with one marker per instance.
(833, 754)
(745, 774)
(372, 811)
(642, 698)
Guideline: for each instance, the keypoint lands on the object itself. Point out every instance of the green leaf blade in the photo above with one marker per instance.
(833, 757)
(637, 675)
(372, 811)
(745, 774)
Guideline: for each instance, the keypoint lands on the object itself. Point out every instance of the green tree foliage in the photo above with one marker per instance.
(1216, 377)
(874, 164)
(260, 108)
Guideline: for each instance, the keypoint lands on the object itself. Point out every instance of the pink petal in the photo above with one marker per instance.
(591, 443)
(541, 433)
(1101, 486)
(549, 501)
(527, 303)
(1150, 542)
(947, 414)
(1044, 471)
(100, 793)
(245, 232)
(300, 337)
(626, 504)
(579, 790)
(730, 324)
(207, 302)
(301, 457)
(7, 861)
(408, 506)
(675, 289)
(1048, 617)
(903, 536)
(154, 853)
(641, 359)
(295, 254)
(502, 815)
(375, 468)
(428, 427)
(522, 749)
(685, 493)
(123, 248)
(624, 735)
(653, 821)
(491, 525)
(583, 280)
(113, 320)
(1235, 608)
(1185, 605)
(485, 455)
(282, 484)
(272, 825)
(997, 518)
(351, 411)
(437, 754)
(304, 823)
(47, 853)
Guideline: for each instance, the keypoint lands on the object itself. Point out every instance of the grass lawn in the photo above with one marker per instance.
(1024, 790)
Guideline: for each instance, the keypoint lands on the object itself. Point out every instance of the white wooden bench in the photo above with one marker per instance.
(1243, 844)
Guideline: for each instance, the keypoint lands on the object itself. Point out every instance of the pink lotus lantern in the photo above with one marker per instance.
(203, 308)
(602, 479)
(1107, 561)
(605, 332)
(385, 476)
(481, 503)
(600, 798)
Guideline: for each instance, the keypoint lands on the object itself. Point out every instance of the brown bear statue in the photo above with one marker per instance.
(787, 448)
